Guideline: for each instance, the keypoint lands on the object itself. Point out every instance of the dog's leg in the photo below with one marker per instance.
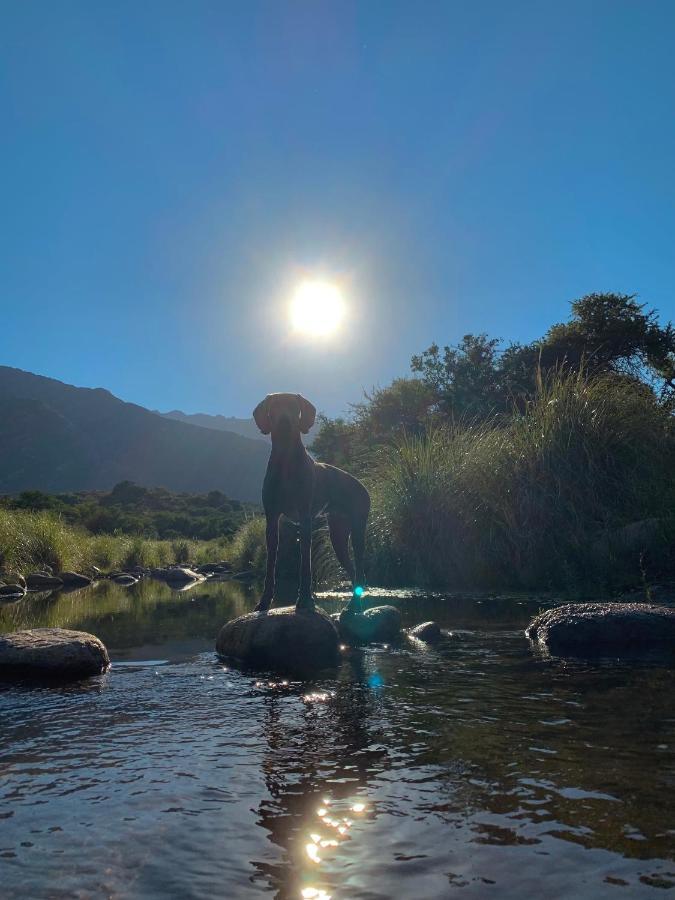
(305, 599)
(359, 547)
(338, 527)
(272, 540)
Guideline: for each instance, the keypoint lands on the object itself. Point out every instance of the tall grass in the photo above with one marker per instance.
(247, 551)
(533, 501)
(30, 540)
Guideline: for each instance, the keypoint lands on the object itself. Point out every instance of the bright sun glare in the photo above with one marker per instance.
(317, 308)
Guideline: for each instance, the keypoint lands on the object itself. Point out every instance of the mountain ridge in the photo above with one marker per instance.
(59, 437)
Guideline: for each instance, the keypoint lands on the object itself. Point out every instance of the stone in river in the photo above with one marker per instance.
(282, 640)
(41, 580)
(74, 579)
(427, 631)
(381, 623)
(595, 628)
(57, 652)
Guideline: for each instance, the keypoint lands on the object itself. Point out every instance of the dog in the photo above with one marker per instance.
(299, 488)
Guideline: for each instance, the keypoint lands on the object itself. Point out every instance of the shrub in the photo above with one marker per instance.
(526, 502)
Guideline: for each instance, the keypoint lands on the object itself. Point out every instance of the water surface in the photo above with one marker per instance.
(478, 769)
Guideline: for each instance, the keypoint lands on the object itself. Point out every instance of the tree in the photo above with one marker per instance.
(613, 332)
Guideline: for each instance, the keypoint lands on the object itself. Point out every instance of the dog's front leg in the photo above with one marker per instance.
(272, 541)
(305, 599)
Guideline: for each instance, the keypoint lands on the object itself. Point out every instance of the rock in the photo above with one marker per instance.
(52, 651)
(595, 628)
(11, 592)
(282, 640)
(181, 575)
(42, 581)
(427, 631)
(123, 579)
(9, 577)
(74, 579)
(381, 623)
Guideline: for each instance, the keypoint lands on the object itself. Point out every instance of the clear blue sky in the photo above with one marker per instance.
(168, 170)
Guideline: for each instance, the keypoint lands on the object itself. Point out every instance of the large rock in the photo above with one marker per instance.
(281, 639)
(381, 623)
(52, 651)
(596, 628)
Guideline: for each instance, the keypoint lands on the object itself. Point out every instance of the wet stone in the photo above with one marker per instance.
(593, 628)
(381, 623)
(430, 632)
(58, 652)
(281, 640)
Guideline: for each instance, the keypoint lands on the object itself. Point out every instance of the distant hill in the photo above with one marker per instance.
(245, 427)
(56, 437)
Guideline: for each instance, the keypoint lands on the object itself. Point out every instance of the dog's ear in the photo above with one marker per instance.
(262, 417)
(307, 414)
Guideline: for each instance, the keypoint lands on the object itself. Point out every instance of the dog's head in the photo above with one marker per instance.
(284, 413)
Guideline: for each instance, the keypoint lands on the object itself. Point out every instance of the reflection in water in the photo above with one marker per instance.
(412, 772)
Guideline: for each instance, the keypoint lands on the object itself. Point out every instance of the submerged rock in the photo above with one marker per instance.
(381, 623)
(593, 628)
(281, 639)
(427, 631)
(74, 579)
(52, 651)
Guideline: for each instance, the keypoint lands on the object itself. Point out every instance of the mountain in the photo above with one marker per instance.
(245, 427)
(56, 437)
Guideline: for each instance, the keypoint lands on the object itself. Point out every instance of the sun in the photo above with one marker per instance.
(317, 308)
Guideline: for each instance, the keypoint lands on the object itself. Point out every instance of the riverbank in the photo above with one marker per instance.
(30, 541)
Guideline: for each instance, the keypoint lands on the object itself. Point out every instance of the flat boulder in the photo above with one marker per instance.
(430, 632)
(381, 623)
(594, 628)
(74, 579)
(57, 652)
(282, 640)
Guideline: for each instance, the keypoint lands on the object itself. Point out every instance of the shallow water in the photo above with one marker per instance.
(479, 769)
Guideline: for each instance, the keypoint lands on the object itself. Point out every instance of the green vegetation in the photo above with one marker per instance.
(153, 513)
(541, 466)
(29, 540)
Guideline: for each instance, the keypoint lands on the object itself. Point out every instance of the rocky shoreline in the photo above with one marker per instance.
(14, 585)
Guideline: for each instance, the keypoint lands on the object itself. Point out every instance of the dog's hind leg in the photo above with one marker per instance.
(338, 528)
(359, 546)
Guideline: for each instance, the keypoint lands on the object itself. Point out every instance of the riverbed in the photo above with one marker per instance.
(476, 769)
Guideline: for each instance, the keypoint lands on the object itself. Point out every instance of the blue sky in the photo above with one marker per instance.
(168, 171)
